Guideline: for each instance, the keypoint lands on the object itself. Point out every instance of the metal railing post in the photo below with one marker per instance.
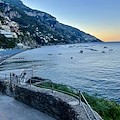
(17, 79)
(30, 82)
(79, 98)
(52, 87)
(10, 79)
(5, 76)
(32, 72)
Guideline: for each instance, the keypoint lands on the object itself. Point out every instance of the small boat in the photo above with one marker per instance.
(81, 51)
(110, 49)
(103, 52)
(93, 49)
(18, 58)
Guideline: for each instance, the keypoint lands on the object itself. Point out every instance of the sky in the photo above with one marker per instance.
(100, 18)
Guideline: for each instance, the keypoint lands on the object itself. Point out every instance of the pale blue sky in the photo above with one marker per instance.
(100, 18)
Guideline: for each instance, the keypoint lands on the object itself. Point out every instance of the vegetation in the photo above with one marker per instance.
(7, 43)
(1, 19)
(1, 10)
(109, 110)
(59, 87)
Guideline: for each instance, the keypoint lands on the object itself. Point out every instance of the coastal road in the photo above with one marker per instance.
(10, 109)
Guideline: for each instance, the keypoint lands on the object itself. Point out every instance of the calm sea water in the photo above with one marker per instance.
(91, 71)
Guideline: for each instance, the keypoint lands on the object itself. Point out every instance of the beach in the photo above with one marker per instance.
(7, 53)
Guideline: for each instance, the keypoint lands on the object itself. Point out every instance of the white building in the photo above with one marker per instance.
(21, 46)
(9, 36)
(14, 34)
(6, 34)
(5, 27)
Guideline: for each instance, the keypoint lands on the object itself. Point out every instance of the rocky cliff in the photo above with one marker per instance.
(43, 27)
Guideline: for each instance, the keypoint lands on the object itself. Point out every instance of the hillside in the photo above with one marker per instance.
(42, 27)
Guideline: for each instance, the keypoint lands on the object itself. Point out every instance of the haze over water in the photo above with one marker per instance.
(91, 71)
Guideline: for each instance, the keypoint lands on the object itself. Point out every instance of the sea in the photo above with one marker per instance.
(91, 67)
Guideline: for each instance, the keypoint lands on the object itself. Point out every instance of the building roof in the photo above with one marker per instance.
(20, 44)
(4, 32)
(9, 36)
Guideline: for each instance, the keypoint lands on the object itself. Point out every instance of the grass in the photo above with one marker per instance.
(108, 110)
(61, 88)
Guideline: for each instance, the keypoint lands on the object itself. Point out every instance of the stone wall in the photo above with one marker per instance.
(6, 88)
(3, 87)
(46, 103)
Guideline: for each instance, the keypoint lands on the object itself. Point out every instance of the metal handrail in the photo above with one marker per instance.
(86, 111)
(5, 74)
(89, 106)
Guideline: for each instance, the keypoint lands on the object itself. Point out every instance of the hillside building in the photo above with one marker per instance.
(6, 34)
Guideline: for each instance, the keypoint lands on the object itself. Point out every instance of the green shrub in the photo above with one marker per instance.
(6, 42)
(109, 110)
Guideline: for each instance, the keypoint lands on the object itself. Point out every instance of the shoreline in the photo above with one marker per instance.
(2, 60)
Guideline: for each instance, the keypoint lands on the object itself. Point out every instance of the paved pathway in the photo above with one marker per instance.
(10, 109)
